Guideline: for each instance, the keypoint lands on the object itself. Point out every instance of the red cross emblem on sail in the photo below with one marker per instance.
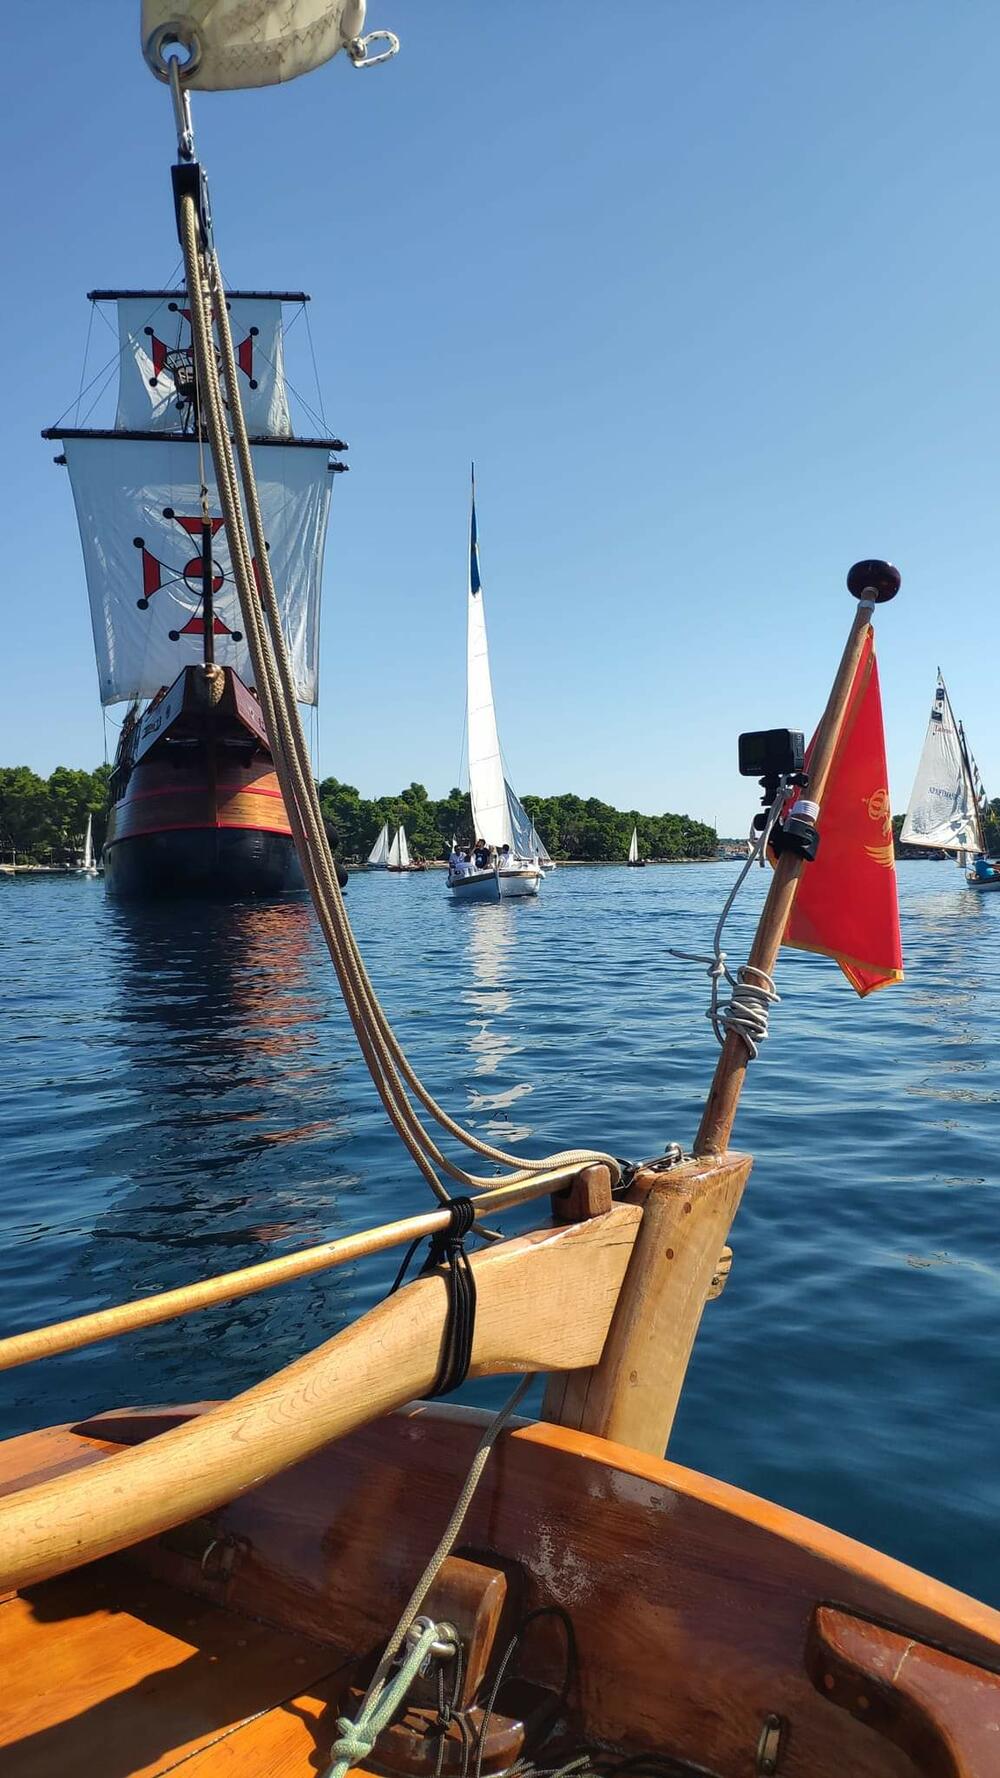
(180, 359)
(160, 576)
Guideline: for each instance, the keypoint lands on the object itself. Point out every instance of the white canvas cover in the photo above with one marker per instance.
(257, 42)
(154, 336)
(139, 511)
(379, 855)
(942, 810)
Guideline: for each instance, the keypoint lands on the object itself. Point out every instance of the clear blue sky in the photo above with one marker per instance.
(709, 291)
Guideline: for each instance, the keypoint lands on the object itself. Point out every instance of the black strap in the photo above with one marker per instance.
(447, 1249)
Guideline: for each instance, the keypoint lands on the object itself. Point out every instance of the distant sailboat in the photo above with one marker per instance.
(945, 810)
(399, 852)
(378, 857)
(88, 867)
(498, 818)
(633, 850)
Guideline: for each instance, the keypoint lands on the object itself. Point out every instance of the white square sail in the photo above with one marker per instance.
(138, 505)
(156, 367)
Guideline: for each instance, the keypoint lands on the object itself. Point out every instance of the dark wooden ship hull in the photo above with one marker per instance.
(224, 862)
(197, 809)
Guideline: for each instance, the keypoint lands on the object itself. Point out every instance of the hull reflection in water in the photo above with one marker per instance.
(223, 1149)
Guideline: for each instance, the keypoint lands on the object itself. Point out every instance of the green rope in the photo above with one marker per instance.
(356, 1739)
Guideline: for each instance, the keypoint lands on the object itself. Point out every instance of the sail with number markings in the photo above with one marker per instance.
(943, 810)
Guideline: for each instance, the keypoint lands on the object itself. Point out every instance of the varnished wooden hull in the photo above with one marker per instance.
(700, 1614)
(199, 809)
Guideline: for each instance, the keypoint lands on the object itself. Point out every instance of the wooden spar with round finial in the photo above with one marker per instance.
(630, 1396)
(872, 583)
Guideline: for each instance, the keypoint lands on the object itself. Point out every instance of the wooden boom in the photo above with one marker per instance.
(228, 1287)
(544, 1302)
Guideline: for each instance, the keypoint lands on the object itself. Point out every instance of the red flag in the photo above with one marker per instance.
(846, 905)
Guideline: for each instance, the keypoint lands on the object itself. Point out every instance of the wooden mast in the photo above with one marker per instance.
(631, 1395)
(872, 583)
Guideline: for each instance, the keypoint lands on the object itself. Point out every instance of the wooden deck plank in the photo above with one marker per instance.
(119, 1676)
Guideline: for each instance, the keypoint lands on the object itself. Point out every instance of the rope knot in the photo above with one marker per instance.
(352, 1745)
(462, 1214)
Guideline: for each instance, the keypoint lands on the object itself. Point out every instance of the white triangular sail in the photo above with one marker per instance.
(524, 841)
(943, 810)
(88, 845)
(399, 851)
(156, 375)
(138, 506)
(633, 847)
(378, 857)
(487, 786)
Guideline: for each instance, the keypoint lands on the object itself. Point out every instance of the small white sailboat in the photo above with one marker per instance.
(633, 850)
(500, 822)
(399, 852)
(378, 857)
(89, 866)
(945, 810)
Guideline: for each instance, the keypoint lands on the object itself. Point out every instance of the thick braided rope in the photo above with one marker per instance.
(386, 1061)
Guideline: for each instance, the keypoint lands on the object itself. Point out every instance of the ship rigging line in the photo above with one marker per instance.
(392, 1074)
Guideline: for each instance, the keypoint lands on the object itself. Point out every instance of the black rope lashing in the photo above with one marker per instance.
(447, 1248)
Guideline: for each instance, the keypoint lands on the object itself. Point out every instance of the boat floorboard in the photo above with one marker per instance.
(114, 1675)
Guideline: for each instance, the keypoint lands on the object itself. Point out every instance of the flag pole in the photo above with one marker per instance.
(871, 583)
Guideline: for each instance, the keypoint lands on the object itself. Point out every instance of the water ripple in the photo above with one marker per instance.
(183, 1096)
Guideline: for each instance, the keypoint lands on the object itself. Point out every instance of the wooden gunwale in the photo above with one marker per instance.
(693, 1602)
(544, 1302)
(186, 1299)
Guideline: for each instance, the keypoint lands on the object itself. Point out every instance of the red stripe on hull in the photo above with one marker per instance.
(161, 799)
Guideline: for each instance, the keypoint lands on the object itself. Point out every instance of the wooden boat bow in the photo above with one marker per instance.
(544, 1303)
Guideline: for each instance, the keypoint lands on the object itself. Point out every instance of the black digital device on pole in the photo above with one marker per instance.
(772, 753)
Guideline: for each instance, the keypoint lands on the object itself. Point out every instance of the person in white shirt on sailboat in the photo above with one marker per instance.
(458, 864)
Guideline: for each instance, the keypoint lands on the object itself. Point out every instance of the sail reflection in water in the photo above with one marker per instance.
(491, 937)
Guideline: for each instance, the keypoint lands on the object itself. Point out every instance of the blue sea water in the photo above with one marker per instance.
(182, 1096)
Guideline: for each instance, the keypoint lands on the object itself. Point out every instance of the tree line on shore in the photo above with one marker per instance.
(569, 826)
(45, 818)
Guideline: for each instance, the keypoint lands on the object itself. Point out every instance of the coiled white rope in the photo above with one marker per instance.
(747, 1010)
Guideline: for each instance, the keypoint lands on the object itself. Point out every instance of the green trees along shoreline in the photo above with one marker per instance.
(571, 827)
(44, 819)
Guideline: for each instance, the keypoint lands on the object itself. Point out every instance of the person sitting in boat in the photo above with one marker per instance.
(458, 863)
(483, 855)
(984, 869)
(504, 857)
